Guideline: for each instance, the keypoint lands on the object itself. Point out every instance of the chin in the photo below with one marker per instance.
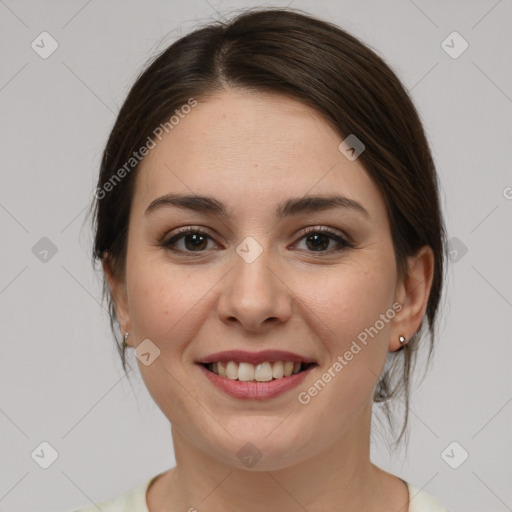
(262, 451)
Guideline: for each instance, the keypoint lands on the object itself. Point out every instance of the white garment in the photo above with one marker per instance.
(135, 501)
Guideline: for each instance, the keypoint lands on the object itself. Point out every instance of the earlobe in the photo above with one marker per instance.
(119, 296)
(413, 294)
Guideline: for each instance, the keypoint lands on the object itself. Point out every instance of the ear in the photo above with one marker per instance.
(412, 293)
(119, 296)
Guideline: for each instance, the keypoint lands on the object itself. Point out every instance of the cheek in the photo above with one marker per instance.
(352, 317)
(160, 302)
(165, 308)
(169, 303)
(350, 299)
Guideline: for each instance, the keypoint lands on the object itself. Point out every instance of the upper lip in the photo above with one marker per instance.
(254, 357)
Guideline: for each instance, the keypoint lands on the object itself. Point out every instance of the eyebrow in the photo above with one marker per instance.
(288, 208)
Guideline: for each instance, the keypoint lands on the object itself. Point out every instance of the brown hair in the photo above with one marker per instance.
(319, 64)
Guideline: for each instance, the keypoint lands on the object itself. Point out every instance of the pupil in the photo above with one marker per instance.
(320, 241)
(197, 241)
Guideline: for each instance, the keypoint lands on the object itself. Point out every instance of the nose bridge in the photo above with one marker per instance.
(253, 293)
(253, 280)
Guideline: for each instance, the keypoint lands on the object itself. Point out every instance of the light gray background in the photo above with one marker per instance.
(61, 379)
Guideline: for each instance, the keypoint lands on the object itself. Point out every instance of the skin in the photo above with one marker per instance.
(251, 151)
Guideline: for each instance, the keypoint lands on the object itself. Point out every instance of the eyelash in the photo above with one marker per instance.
(190, 230)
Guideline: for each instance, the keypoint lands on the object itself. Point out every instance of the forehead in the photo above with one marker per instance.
(238, 145)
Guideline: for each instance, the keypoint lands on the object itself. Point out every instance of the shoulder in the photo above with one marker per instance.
(421, 501)
(133, 500)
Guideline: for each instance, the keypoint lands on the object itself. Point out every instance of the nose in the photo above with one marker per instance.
(254, 295)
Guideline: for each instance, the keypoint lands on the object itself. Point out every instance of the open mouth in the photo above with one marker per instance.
(263, 372)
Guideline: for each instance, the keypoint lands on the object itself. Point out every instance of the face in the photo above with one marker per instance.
(259, 269)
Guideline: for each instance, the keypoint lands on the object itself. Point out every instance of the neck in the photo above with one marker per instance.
(338, 478)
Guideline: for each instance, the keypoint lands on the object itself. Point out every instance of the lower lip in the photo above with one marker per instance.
(255, 390)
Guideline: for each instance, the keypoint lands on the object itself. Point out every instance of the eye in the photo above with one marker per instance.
(188, 239)
(317, 239)
(322, 239)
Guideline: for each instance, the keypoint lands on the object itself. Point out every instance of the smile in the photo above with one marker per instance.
(254, 389)
(262, 372)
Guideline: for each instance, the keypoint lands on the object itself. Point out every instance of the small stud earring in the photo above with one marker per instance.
(401, 339)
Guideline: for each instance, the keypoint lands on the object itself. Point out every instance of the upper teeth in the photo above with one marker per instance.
(261, 372)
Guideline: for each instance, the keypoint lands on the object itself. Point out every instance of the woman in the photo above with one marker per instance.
(268, 222)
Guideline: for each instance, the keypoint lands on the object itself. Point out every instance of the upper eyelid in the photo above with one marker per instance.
(327, 230)
(322, 229)
(315, 228)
